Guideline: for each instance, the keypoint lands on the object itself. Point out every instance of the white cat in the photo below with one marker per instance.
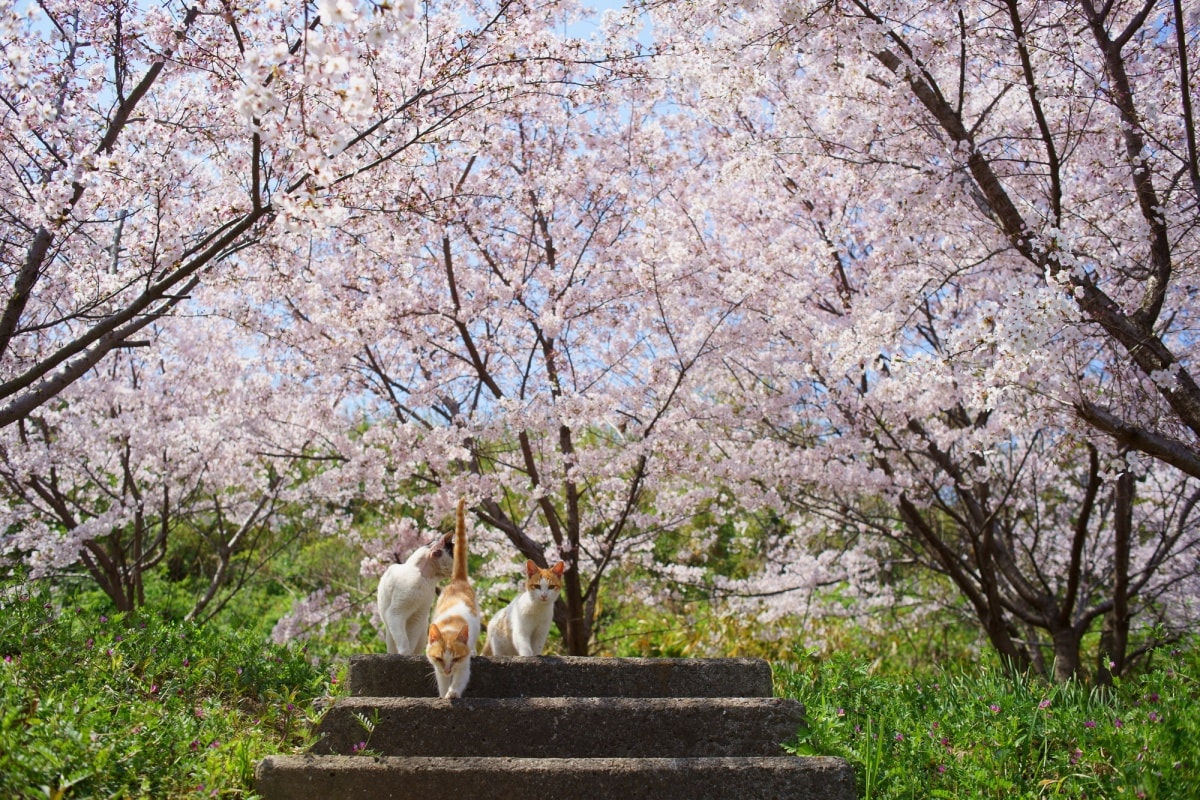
(522, 627)
(406, 593)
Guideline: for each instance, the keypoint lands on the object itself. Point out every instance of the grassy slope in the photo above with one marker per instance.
(114, 706)
(972, 731)
(107, 706)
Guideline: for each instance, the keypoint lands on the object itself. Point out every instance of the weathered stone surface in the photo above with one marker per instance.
(561, 727)
(370, 778)
(583, 728)
(548, 676)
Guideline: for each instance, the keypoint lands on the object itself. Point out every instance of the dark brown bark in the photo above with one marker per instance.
(1114, 636)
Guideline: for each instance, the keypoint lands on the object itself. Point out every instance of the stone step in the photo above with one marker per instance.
(546, 676)
(560, 727)
(585, 728)
(381, 778)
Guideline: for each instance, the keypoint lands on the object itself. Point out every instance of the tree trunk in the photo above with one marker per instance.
(576, 631)
(1067, 665)
(1114, 638)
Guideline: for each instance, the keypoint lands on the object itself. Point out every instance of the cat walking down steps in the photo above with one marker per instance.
(454, 631)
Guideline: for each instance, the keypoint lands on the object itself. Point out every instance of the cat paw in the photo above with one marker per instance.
(451, 695)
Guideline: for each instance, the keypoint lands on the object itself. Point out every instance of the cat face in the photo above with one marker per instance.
(442, 554)
(543, 585)
(447, 651)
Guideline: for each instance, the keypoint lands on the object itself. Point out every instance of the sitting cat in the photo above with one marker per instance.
(406, 593)
(455, 627)
(521, 627)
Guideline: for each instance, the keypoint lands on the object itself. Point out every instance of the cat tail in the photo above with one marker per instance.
(460, 543)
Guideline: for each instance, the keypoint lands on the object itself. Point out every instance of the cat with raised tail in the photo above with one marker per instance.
(456, 621)
(522, 627)
(406, 592)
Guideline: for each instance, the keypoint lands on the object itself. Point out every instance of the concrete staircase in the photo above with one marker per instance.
(583, 728)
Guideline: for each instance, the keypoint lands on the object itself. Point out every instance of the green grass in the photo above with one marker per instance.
(974, 731)
(99, 706)
(96, 705)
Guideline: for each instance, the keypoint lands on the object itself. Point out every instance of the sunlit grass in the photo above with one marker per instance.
(106, 705)
(975, 731)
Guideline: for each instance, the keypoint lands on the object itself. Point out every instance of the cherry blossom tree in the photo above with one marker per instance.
(972, 224)
(151, 148)
(1052, 143)
(154, 153)
(525, 342)
(186, 445)
(1044, 539)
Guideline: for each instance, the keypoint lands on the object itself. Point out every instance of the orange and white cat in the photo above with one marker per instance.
(456, 621)
(522, 627)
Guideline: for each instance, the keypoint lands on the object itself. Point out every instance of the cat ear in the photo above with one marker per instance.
(531, 568)
(435, 635)
(464, 635)
(558, 568)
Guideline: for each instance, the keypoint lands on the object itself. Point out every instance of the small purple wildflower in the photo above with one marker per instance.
(994, 708)
(1089, 724)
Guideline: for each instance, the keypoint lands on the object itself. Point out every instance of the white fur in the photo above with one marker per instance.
(528, 616)
(405, 595)
(452, 678)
